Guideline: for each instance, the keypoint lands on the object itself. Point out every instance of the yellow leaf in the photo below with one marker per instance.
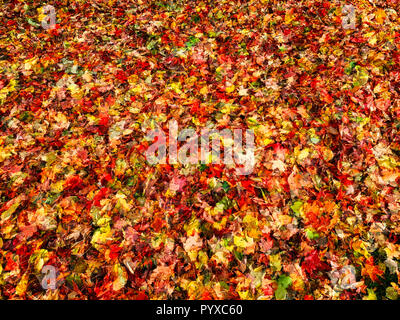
(219, 209)
(101, 236)
(204, 90)
(121, 203)
(221, 224)
(192, 254)
(22, 284)
(243, 242)
(303, 154)
(4, 154)
(176, 86)
(244, 295)
(252, 228)
(57, 187)
(359, 247)
(250, 219)
(275, 262)
(392, 250)
(7, 214)
(29, 63)
(230, 88)
(285, 219)
(39, 258)
(121, 277)
(228, 108)
(137, 89)
(221, 257)
(328, 154)
(372, 40)
(193, 226)
(202, 258)
(371, 295)
(191, 80)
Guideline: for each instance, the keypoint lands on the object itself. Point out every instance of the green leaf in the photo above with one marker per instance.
(74, 278)
(296, 207)
(391, 293)
(196, 18)
(284, 281)
(315, 140)
(280, 293)
(33, 23)
(224, 285)
(26, 116)
(226, 202)
(225, 186)
(192, 42)
(311, 234)
(152, 44)
(52, 197)
(238, 255)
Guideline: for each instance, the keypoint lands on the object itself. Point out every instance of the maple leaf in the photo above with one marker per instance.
(371, 270)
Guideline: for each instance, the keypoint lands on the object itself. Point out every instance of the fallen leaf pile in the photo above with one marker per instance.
(318, 218)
